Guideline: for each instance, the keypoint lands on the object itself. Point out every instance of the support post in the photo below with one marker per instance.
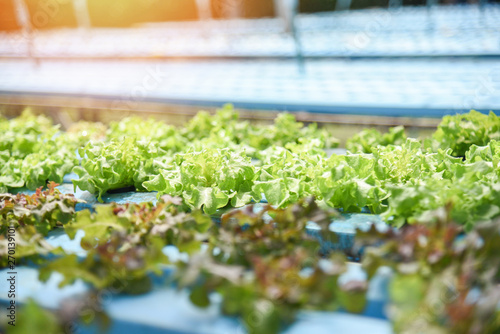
(24, 21)
(204, 10)
(81, 13)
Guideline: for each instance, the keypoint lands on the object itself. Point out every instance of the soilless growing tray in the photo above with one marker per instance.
(422, 186)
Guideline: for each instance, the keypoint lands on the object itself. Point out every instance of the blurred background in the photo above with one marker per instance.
(345, 63)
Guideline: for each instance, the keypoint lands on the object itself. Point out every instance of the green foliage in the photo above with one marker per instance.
(218, 161)
(124, 244)
(349, 182)
(265, 273)
(25, 135)
(461, 131)
(206, 162)
(471, 186)
(261, 260)
(44, 210)
(226, 124)
(285, 177)
(33, 319)
(30, 246)
(443, 282)
(285, 131)
(209, 179)
(84, 131)
(33, 151)
(368, 139)
(151, 131)
(113, 165)
(266, 267)
(26, 219)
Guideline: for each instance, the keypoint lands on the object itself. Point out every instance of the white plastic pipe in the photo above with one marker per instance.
(22, 14)
(81, 13)
(204, 10)
(285, 9)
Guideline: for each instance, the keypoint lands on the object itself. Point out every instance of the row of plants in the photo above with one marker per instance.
(261, 262)
(34, 140)
(218, 161)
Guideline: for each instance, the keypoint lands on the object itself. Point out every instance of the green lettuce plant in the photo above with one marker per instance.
(33, 151)
(208, 180)
(368, 139)
(113, 165)
(461, 131)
